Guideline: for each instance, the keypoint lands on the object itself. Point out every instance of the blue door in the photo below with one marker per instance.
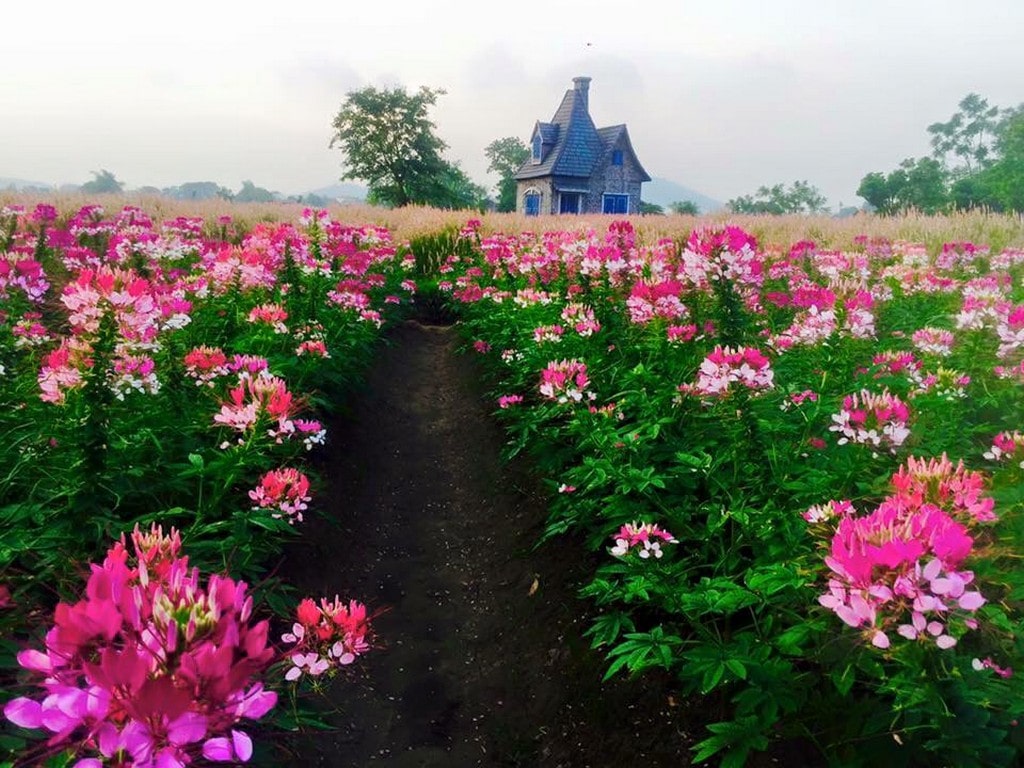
(532, 207)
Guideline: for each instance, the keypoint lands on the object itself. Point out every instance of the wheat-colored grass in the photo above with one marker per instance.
(995, 230)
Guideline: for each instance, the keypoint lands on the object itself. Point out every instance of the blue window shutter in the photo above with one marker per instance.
(617, 157)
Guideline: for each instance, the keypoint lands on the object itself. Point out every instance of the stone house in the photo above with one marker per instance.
(575, 167)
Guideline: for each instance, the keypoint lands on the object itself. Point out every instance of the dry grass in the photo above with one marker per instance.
(996, 230)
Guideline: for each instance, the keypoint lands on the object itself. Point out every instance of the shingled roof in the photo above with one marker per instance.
(572, 145)
(612, 135)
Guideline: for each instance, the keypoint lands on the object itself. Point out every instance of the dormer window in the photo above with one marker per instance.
(537, 149)
(616, 157)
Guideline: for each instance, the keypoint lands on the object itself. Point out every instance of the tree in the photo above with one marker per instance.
(651, 208)
(103, 183)
(451, 188)
(919, 183)
(388, 141)
(1001, 185)
(250, 193)
(970, 135)
(684, 208)
(199, 190)
(777, 200)
(506, 156)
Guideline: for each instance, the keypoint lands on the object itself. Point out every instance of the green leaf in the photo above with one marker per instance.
(843, 679)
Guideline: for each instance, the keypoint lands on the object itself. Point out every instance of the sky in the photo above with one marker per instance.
(721, 96)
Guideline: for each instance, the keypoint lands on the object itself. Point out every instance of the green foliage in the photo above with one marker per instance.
(969, 135)
(799, 197)
(103, 182)
(651, 208)
(684, 208)
(918, 184)
(506, 156)
(250, 193)
(977, 162)
(389, 141)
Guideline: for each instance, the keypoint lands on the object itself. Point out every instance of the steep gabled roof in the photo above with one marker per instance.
(615, 135)
(577, 145)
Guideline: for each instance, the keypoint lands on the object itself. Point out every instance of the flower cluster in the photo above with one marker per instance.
(205, 364)
(660, 300)
(150, 668)
(1007, 446)
(548, 334)
(900, 567)
(286, 491)
(581, 318)
(326, 637)
(273, 315)
(872, 419)
(565, 380)
(724, 367)
(62, 371)
(935, 341)
(954, 488)
(643, 538)
(265, 399)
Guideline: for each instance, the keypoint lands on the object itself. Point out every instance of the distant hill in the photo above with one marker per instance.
(344, 192)
(663, 192)
(7, 182)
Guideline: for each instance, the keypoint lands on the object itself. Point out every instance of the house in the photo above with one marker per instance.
(575, 167)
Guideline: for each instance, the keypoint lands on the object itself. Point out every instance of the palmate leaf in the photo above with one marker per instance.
(735, 737)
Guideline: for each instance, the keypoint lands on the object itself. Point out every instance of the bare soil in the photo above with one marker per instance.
(479, 657)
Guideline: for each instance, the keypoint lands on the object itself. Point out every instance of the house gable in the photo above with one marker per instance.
(574, 166)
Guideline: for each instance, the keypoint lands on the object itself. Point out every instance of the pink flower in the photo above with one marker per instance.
(285, 491)
(643, 538)
(565, 381)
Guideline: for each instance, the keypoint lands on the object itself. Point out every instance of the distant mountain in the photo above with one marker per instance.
(6, 182)
(343, 192)
(664, 192)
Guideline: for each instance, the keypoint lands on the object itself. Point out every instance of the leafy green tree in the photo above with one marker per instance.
(506, 156)
(684, 208)
(1001, 185)
(925, 186)
(969, 135)
(388, 141)
(777, 200)
(450, 188)
(919, 183)
(103, 183)
(651, 208)
(879, 192)
(250, 193)
(199, 190)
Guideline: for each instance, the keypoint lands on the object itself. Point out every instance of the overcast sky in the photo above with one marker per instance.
(721, 96)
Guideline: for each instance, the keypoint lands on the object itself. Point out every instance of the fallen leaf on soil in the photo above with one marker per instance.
(534, 587)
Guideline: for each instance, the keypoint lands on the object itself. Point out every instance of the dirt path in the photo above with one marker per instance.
(472, 669)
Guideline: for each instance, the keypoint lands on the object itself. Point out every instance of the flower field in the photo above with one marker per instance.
(799, 470)
(793, 467)
(162, 385)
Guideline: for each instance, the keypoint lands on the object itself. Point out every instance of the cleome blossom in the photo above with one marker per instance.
(326, 636)
(285, 491)
(151, 667)
(900, 567)
(872, 419)
(725, 367)
(645, 539)
(564, 381)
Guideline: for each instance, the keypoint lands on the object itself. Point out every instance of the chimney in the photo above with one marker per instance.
(582, 87)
